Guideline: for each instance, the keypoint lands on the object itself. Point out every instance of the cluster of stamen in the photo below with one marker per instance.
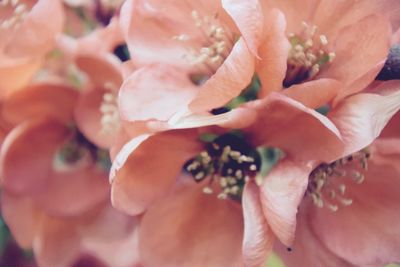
(328, 182)
(229, 161)
(307, 55)
(18, 13)
(109, 108)
(216, 44)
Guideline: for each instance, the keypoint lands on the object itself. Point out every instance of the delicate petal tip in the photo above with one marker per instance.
(281, 193)
(249, 18)
(258, 237)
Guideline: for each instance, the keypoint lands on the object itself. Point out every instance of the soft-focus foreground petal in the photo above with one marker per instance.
(162, 89)
(35, 34)
(281, 193)
(364, 233)
(273, 52)
(57, 243)
(361, 118)
(28, 167)
(197, 229)
(307, 249)
(148, 166)
(258, 237)
(21, 217)
(38, 100)
(233, 76)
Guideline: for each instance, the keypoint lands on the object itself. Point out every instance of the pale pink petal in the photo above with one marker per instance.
(233, 76)
(281, 193)
(16, 75)
(88, 118)
(57, 243)
(38, 100)
(258, 238)
(149, 28)
(102, 73)
(315, 93)
(307, 249)
(36, 35)
(144, 171)
(21, 216)
(356, 56)
(273, 51)
(364, 233)
(155, 92)
(190, 228)
(249, 19)
(361, 118)
(27, 155)
(308, 135)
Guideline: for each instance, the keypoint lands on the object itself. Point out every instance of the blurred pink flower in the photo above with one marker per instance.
(25, 37)
(47, 169)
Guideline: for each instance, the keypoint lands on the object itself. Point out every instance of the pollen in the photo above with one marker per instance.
(228, 162)
(307, 56)
(328, 183)
(110, 121)
(215, 43)
(17, 13)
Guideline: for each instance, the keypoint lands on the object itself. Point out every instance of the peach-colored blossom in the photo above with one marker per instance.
(145, 173)
(330, 42)
(215, 41)
(25, 37)
(47, 169)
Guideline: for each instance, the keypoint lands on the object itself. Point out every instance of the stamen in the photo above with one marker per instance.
(18, 12)
(323, 183)
(307, 56)
(230, 161)
(109, 108)
(215, 46)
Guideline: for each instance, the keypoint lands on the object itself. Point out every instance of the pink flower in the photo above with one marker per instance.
(346, 205)
(146, 176)
(25, 37)
(335, 49)
(212, 43)
(47, 169)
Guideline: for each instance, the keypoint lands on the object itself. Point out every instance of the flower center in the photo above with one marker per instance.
(328, 182)
(229, 161)
(15, 13)
(214, 47)
(109, 109)
(307, 55)
(77, 152)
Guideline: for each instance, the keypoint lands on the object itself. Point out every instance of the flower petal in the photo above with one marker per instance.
(315, 93)
(38, 100)
(162, 89)
(190, 228)
(230, 79)
(307, 249)
(249, 19)
(258, 237)
(281, 193)
(361, 118)
(364, 233)
(21, 217)
(274, 51)
(148, 166)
